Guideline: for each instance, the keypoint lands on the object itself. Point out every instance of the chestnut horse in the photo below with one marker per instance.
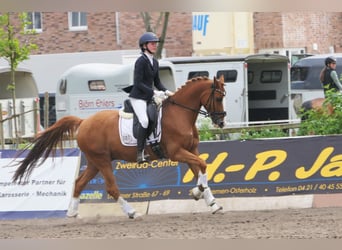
(99, 139)
(318, 104)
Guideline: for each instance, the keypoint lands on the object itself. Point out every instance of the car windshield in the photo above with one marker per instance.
(299, 73)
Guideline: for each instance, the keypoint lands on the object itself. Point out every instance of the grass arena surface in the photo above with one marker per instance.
(304, 223)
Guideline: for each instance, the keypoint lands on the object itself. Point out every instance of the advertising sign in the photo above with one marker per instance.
(254, 168)
(45, 194)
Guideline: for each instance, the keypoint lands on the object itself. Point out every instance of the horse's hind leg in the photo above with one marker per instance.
(80, 183)
(113, 190)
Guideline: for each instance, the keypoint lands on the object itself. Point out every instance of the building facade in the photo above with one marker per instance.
(70, 32)
(192, 33)
(216, 33)
(283, 33)
(307, 32)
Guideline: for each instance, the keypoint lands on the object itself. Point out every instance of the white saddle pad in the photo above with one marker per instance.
(126, 129)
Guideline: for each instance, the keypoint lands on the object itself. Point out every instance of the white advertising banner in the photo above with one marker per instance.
(45, 194)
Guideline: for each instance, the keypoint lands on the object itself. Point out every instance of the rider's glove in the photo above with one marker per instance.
(159, 94)
(169, 93)
(157, 100)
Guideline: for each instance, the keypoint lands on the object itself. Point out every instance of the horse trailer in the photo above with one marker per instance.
(85, 89)
(257, 86)
(26, 104)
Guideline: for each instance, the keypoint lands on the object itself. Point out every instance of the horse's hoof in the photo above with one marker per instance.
(216, 208)
(131, 215)
(134, 215)
(72, 214)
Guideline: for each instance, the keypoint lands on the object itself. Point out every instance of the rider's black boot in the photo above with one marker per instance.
(141, 142)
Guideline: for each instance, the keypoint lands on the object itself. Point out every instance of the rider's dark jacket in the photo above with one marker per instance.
(145, 76)
(328, 81)
(327, 78)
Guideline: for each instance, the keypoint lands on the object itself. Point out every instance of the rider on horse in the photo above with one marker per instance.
(328, 75)
(146, 76)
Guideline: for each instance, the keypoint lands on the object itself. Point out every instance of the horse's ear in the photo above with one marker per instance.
(221, 78)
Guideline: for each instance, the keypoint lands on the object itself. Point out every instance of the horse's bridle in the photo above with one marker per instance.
(215, 116)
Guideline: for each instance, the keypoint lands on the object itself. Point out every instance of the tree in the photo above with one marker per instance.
(15, 49)
(162, 21)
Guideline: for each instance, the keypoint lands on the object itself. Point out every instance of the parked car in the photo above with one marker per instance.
(305, 72)
(305, 83)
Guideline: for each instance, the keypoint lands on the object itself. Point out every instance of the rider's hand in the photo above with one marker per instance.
(157, 100)
(169, 93)
(158, 93)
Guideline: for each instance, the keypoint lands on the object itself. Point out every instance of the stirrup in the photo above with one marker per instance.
(141, 158)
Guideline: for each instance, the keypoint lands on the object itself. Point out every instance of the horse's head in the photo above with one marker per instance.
(214, 104)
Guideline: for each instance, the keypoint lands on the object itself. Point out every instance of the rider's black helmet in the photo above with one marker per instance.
(329, 60)
(147, 37)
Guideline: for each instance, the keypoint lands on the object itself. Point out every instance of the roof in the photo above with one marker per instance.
(316, 60)
(95, 69)
(4, 69)
(225, 58)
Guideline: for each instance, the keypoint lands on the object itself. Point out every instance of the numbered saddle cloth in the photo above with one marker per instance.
(126, 129)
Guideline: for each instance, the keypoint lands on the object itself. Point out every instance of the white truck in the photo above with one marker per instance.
(257, 86)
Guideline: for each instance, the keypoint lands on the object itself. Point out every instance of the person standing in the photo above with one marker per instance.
(146, 79)
(328, 75)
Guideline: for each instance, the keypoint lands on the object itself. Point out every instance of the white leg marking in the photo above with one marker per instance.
(210, 200)
(202, 180)
(73, 207)
(127, 208)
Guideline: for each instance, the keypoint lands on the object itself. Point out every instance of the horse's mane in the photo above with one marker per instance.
(199, 78)
(194, 79)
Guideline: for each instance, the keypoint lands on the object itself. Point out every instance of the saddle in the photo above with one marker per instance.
(152, 131)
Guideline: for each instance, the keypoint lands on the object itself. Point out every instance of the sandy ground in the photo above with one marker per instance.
(313, 223)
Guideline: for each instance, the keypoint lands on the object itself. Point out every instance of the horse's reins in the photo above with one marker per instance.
(200, 111)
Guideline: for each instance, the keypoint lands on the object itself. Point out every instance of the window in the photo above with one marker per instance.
(35, 19)
(270, 76)
(62, 86)
(299, 73)
(250, 76)
(193, 74)
(78, 21)
(97, 85)
(229, 75)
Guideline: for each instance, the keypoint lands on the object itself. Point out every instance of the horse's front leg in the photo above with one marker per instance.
(196, 192)
(203, 190)
(198, 167)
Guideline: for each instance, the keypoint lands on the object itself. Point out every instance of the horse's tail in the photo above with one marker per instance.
(46, 143)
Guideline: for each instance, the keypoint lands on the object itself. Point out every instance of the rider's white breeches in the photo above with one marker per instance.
(139, 107)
